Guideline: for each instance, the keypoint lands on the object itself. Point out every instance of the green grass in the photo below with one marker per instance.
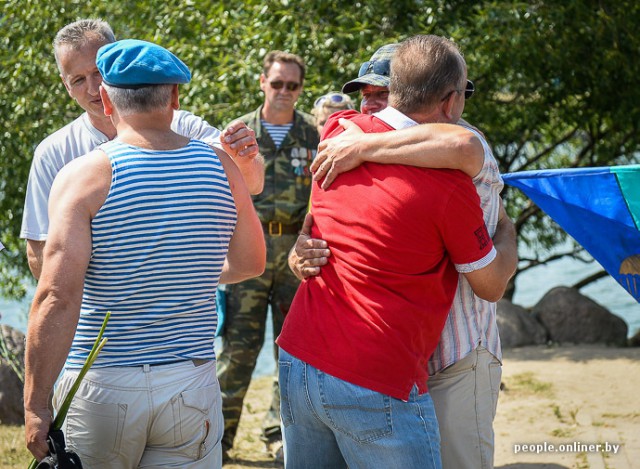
(581, 461)
(562, 432)
(630, 415)
(571, 420)
(13, 452)
(528, 384)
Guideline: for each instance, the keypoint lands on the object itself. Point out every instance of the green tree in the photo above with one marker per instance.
(558, 88)
(556, 80)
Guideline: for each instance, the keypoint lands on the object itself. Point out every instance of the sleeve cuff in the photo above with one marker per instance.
(479, 264)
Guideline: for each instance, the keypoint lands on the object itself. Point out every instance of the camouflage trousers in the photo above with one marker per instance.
(244, 334)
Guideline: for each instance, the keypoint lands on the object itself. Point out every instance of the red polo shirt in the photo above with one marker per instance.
(374, 315)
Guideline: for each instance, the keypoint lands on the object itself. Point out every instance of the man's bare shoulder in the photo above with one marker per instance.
(85, 180)
(86, 165)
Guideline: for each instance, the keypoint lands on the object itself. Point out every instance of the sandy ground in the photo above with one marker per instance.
(561, 402)
(573, 398)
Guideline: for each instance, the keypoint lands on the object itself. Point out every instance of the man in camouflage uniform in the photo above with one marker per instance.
(287, 139)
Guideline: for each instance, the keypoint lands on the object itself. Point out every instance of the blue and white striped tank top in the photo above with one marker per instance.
(159, 244)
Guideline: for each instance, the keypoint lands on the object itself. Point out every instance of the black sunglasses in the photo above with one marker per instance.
(290, 85)
(468, 91)
(379, 67)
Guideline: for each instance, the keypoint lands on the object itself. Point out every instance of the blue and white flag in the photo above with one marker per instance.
(598, 207)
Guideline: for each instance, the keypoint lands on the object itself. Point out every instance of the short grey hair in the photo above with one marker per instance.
(81, 32)
(129, 101)
(423, 70)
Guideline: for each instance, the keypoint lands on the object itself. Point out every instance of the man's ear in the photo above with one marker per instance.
(263, 81)
(175, 98)
(448, 104)
(106, 102)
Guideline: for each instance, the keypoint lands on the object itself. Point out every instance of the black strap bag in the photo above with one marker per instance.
(59, 456)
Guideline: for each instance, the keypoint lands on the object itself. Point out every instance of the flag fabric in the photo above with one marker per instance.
(598, 207)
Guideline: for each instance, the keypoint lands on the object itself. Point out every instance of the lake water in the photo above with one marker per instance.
(530, 287)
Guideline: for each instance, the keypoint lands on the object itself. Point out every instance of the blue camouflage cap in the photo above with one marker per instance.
(374, 72)
(132, 63)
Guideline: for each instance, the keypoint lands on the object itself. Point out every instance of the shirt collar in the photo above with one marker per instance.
(394, 118)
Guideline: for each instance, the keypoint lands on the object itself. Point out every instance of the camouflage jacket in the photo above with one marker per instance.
(287, 182)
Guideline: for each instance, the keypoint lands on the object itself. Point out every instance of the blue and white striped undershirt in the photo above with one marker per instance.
(277, 132)
(159, 244)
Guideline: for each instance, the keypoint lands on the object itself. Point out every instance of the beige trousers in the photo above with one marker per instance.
(466, 397)
(145, 416)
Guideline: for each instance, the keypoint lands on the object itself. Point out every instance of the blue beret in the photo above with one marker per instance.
(132, 63)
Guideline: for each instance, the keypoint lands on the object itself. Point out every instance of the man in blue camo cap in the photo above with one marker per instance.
(144, 227)
(373, 80)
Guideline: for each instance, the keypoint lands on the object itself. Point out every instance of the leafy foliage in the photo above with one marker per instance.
(557, 80)
(558, 88)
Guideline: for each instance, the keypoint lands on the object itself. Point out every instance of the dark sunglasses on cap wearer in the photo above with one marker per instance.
(333, 98)
(290, 85)
(378, 67)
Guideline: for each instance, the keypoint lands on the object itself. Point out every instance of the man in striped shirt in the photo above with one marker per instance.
(144, 227)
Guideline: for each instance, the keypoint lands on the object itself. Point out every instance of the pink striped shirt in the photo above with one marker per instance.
(472, 321)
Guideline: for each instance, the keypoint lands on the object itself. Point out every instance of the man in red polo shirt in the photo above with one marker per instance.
(357, 338)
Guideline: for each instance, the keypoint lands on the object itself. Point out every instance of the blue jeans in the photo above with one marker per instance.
(330, 423)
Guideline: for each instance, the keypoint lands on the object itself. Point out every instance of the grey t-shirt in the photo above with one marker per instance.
(76, 139)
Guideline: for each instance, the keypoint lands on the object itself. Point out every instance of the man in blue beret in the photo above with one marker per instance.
(75, 48)
(143, 227)
(134, 64)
